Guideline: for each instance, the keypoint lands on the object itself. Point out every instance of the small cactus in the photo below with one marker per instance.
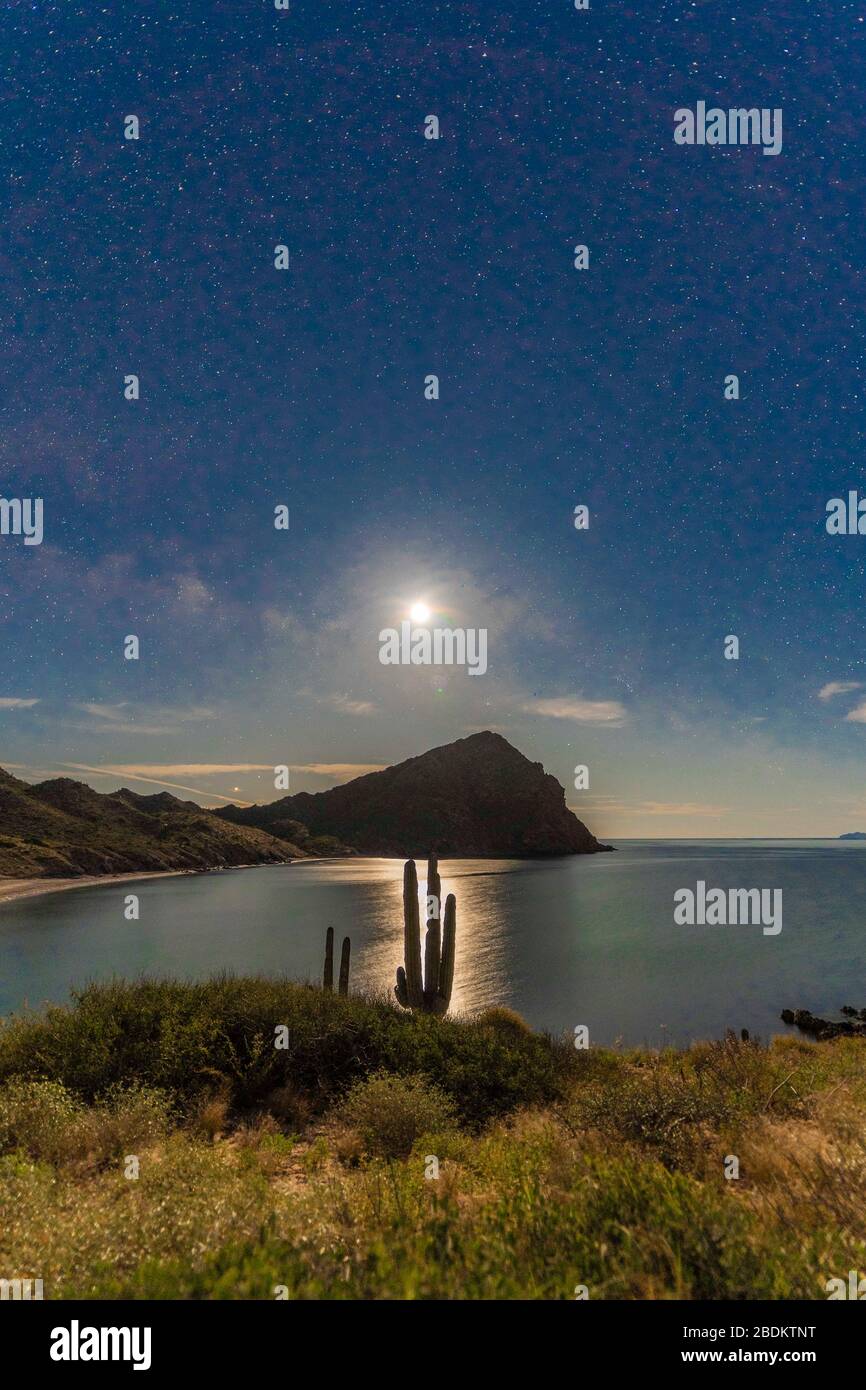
(328, 977)
(431, 992)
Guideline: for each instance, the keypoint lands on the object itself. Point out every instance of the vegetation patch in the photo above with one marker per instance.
(384, 1155)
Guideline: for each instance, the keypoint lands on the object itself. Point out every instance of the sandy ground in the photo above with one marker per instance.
(13, 888)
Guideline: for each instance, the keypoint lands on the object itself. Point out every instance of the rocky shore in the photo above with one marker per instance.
(853, 1025)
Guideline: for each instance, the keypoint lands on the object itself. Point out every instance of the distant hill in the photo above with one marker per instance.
(63, 828)
(476, 797)
(854, 835)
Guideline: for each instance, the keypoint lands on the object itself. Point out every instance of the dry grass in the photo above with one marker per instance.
(611, 1176)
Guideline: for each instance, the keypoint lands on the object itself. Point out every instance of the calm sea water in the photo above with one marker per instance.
(588, 940)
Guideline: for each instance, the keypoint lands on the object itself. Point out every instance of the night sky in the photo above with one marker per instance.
(558, 387)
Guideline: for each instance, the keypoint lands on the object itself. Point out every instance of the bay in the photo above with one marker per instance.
(584, 940)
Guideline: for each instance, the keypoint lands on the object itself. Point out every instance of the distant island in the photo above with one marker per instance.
(854, 835)
(476, 797)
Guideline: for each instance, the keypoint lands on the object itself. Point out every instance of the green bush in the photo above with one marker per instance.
(506, 1020)
(192, 1039)
(42, 1119)
(45, 1121)
(130, 1117)
(671, 1103)
(391, 1112)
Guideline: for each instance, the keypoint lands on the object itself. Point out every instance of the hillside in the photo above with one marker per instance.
(63, 828)
(476, 797)
(309, 1169)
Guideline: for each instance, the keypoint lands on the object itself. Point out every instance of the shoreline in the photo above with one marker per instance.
(14, 889)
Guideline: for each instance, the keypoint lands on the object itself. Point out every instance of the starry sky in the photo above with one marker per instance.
(558, 387)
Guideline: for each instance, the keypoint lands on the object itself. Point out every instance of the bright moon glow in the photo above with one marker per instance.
(420, 613)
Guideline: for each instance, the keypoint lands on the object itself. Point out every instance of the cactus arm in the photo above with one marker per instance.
(328, 978)
(449, 946)
(431, 963)
(400, 988)
(432, 943)
(412, 936)
(344, 965)
(434, 885)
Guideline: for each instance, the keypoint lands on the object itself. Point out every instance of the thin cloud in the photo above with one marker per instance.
(122, 717)
(609, 712)
(346, 705)
(153, 781)
(112, 712)
(857, 715)
(339, 771)
(155, 770)
(188, 769)
(15, 702)
(648, 808)
(838, 688)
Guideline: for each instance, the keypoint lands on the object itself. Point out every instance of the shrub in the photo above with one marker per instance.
(130, 1117)
(290, 1106)
(506, 1021)
(391, 1112)
(194, 1039)
(210, 1117)
(43, 1119)
(660, 1114)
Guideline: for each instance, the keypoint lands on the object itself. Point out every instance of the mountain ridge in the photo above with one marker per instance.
(477, 797)
(64, 829)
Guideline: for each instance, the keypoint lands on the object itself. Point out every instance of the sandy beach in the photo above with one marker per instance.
(12, 889)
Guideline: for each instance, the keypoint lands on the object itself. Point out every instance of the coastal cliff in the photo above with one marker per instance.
(477, 797)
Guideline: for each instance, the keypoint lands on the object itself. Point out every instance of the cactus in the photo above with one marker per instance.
(328, 977)
(344, 965)
(431, 993)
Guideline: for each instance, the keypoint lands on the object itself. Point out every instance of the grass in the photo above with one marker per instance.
(306, 1172)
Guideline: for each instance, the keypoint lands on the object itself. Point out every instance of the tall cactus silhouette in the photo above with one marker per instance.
(429, 992)
(328, 977)
(343, 985)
